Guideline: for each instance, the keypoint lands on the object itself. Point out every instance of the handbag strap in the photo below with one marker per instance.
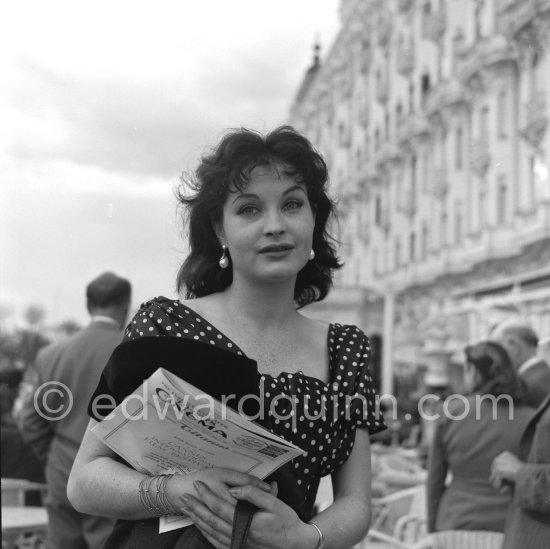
(244, 511)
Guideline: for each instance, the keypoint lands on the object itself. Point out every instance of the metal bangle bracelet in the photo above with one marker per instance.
(321, 543)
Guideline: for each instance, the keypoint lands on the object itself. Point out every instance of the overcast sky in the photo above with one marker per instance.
(103, 104)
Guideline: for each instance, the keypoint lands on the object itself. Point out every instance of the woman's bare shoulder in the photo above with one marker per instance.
(203, 305)
(313, 328)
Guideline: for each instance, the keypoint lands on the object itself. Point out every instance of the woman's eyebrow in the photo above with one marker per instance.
(295, 188)
(244, 195)
(252, 195)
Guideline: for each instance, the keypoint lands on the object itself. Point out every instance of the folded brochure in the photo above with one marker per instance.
(169, 426)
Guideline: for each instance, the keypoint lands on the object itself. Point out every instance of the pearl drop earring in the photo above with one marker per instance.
(311, 255)
(224, 260)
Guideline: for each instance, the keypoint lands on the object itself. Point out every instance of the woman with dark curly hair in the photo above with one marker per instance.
(259, 251)
(470, 432)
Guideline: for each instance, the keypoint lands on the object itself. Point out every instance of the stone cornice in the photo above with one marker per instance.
(518, 14)
(414, 129)
(485, 56)
(448, 96)
(389, 155)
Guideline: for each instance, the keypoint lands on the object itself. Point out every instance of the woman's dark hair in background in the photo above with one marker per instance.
(496, 373)
(231, 163)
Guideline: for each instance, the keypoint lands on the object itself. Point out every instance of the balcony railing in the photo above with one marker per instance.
(447, 93)
(368, 176)
(382, 89)
(413, 127)
(385, 224)
(389, 153)
(440, 183)
(405, 59)
(480, 158)
(434, 25)
(407, 205)
(535, 107)
(536, 119)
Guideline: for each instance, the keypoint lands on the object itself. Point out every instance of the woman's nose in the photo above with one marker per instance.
(274, 224)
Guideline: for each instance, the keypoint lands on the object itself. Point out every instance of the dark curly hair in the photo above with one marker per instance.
(230, 164)
(496, 372)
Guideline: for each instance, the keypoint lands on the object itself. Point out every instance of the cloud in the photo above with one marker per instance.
(130, 89)
(58, 238)
(143, 126)
(103, 105)
(131, 127)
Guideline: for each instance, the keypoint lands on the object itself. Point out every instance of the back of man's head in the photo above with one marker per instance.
(108, 292)
(518, 338)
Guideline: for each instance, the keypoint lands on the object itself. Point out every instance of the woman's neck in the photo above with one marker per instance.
(268, 306)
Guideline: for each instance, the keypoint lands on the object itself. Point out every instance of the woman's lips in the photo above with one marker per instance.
(276, 248)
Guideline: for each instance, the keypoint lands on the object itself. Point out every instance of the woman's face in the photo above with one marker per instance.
(268, 227)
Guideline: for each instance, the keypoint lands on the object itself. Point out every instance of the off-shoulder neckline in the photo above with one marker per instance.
(237, 349)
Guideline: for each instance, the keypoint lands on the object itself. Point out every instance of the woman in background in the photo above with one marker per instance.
(469, 434)
(259, 251)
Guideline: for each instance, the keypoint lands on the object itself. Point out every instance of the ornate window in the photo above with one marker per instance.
(477, 19)
(414, 164)
(459, 149)
(424, 242)
(412, 246)
(484, 123)
(398, 114)
(378, 211)
(424, 87)
(482, 206)
(443, 229)
(502, 200)
(458, 223)
(397, 258)
(503, 114)
(377, 139)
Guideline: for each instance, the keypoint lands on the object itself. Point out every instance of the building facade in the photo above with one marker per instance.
(433, 118)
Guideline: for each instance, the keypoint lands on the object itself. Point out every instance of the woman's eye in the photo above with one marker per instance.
(293, 205)
(248, 210)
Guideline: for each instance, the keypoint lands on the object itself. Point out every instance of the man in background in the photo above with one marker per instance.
(54, 417)
(521, 343)
(528, 476)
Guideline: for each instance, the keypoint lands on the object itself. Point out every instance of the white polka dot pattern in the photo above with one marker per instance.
(318, 417)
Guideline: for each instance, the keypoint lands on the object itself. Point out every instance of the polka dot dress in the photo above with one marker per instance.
(319, 417)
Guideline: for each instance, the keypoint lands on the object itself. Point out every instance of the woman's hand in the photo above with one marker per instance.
(504, 470)
(274, 525)
(217, 479)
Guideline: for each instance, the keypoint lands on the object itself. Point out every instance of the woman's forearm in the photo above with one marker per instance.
(345, 522)
(106, 487)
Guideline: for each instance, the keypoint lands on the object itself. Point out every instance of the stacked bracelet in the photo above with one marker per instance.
(152, 494)
(321, 542)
